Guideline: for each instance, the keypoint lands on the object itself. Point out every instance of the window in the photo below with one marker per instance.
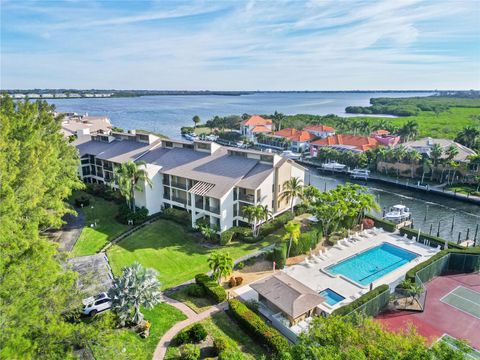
(258, 195)
(168, 144)
(203, 146)
(266, 158)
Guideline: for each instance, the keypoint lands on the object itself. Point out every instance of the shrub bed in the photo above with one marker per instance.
(194, 334)
(179, 216)
(308, 240)
(235, 233)
(280, 255)
(433, 239)
(347, 309)
(255, 326)
(125, 214)
(275, 224)
(82, 200)
(385, 224)
(211, 287)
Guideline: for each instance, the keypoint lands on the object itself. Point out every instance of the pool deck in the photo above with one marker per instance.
(311, 272)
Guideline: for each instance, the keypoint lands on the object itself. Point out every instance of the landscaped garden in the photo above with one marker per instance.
(130, 345)
(223, 330)
(102, 213)
(175, 253)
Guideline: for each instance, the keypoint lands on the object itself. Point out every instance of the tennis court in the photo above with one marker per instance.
(465, 300)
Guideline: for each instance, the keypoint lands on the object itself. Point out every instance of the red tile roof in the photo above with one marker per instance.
(256, 120)
(295, 135)
(362, 143)
(380, 132)
(261, 128)
(319, 128)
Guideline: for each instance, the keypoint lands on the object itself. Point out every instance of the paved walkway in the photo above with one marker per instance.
(192, 317)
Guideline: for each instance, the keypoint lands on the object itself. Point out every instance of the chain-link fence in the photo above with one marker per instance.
(372, 307)
(407, 299)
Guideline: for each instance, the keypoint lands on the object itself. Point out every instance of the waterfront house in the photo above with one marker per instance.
(385, 138)
(344, 142)
(320, 131)
(78, 125)
(299, 139)
(255, 125)
(208, 180)
(424, 146)
(283, 294)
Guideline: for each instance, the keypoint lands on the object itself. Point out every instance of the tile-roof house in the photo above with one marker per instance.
(321, 131)
(344, 142)
(300, 138)
(254, 125)
(385, 138)
(282, 293)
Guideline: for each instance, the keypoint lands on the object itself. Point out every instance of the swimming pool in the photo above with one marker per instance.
(331, 297)
(372, 264)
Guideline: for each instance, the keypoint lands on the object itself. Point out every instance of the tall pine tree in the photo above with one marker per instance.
(37, 173)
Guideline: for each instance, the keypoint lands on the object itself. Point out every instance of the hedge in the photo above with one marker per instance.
(410, 275)
(213, 290)
(308, 240)
(280, 255)
(347, 309)
(275, 224)
(385, 224)
(235, 233)
(194, 334)
(433, 239)
(257, 328)
(179, 216)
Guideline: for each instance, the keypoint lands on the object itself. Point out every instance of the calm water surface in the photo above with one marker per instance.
(427, 209)
(166, 114)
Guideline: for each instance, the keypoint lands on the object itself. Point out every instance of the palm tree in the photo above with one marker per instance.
(408, 130)
(196, 120)
(426, 166)
(128, 177)
(277, 120)
(468, 136)
(451, 152)
(221, 265)
(292, 235)
(208, 232)
(436, 153)
(414, 157)
(136, 287)
(293, 189)
(255, 214)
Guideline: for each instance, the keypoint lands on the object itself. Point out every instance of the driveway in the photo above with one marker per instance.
(68, 234)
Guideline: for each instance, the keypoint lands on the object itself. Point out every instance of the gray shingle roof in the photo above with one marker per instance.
(425, 144)
(116, 151)
(288, 294)
(255, 177)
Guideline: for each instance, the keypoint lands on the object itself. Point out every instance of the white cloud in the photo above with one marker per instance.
(253, 45)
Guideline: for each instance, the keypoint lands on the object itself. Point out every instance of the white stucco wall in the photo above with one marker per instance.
(151, 197)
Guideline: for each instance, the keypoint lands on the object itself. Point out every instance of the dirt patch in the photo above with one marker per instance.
(251, 273)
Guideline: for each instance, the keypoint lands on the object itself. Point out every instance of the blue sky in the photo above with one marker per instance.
(241, 45)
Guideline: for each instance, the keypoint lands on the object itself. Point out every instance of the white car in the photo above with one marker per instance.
(95, 304)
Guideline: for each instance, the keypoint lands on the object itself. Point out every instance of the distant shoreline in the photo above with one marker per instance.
(103, 94)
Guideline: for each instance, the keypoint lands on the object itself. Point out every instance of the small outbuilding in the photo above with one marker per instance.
(282, 293)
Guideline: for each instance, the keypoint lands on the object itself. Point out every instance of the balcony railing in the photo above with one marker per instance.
(247, 197)
(179, 185)
(213, 209)
(179, 200)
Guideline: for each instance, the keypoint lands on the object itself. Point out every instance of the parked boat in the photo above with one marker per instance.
(334, 166)
(398, 213)
(190, 137)
(291, 155)
(360, 174)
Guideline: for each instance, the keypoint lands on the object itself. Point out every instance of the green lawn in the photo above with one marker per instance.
(126, 344)
(197, 304)
(221, 325)
(167, 247)
(464, 189)
(92, 240)
(446, 125)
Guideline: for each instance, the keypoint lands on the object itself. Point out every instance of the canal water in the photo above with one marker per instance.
(427, 210)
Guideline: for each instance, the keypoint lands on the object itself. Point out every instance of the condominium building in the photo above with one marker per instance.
(208, 180)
